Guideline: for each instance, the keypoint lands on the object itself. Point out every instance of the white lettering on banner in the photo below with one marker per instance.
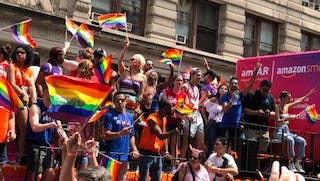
(298, 69)
(261, 71)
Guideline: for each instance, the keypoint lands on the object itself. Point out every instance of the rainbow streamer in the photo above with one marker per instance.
(97, 115)
(74, 99)
(71, 26)
(174, 54)
(103, 70)
(8, 97)
(112, 165)
(311, 114)
(20, 32)
(85, 36)
(113, 20)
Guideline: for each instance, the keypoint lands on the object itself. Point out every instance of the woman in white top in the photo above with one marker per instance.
(214, 107)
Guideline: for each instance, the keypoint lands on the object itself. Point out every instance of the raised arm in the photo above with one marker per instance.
(299, 100)
(158, 132)
(121, 66)
(252, 79)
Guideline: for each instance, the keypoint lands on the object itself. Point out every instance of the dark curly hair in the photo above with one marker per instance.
(29, 54)
(6, 51)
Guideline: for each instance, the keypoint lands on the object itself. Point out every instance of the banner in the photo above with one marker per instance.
(294, 72)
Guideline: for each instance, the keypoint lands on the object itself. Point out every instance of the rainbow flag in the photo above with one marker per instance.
(97, 115)
(71, 26)
(174, 54)
(85, 36)
(74, 99)
(8, 97)
(103, 70)
(188, 70)
(165, 61)
(222, 81)
(142, 121)
(182, 107)
(311, 114)
(113, 20)
(108, 104)
(112, 165)
(20, 33)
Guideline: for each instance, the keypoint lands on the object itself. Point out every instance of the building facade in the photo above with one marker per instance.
(220, 30)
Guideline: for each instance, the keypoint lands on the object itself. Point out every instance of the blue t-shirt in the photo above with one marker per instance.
(115, 122)
(43, 138)
(231, 118)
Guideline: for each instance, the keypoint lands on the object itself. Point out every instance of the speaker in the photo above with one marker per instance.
(247, 150)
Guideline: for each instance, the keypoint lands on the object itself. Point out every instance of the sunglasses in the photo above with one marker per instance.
(194, 158)
(21, 52)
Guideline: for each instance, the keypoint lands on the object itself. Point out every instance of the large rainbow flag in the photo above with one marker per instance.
(182, 106)
(71, 26)
(85, 36)
(103, 70)
(20, 32)
(113, 20)
(112, 166)
(173, 54)
(74, 99)
(8, 97)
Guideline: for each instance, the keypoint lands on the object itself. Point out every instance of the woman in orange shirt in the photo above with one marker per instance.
(20, 77)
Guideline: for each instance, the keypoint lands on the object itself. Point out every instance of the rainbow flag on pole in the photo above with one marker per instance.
(112, 165)
(74, 99)
(103, 70)
(182, 106)
(97, 115)
(20, 32)
(113, 20)
(174, 54)
(71, 26)
(312, 114)
(8, 97)
(85, 36)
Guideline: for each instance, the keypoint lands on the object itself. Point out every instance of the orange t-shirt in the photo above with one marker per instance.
(23, 76)
(149, 141)
(4, 121)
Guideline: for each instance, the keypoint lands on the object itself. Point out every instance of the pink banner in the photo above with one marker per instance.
(296, 73)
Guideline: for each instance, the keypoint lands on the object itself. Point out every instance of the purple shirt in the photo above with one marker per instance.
(51, 69)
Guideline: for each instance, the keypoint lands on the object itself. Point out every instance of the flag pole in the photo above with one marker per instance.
(125, 14)
(9, 26)
(66, 31)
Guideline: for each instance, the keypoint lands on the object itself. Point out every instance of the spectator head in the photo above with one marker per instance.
(5, 52)
(119, 101)
(178, 81)
(56, 56)
(94, 173)
(86, 53)
(137, 61)
(222, 90)
(285, 96)
(85, 69)
(164, 106)
(23, 53)
(152, 77)
(265, 86)
(36, 59)
(209, 76)
(220, 146)
(99, 53)
(148, 66)
(196, 156)
(234, 84)
(186, 77)
(195, 75)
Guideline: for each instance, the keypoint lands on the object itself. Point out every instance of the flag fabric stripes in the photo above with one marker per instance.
(97, 115)
(174, 54)
(113, 20)
(142, 121)
(165, 61)
(312, 114)
(112, 165)
(103, 70)
(85, 36)
(74, 99)
(20, 32)
(71, 26)
(182, 106)
(8, 97)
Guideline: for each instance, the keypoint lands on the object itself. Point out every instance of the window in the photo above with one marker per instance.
(260, 37)
(134, 9)
(309, 42)
(198, 21)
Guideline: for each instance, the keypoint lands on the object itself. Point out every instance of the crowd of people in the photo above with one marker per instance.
(200, 140)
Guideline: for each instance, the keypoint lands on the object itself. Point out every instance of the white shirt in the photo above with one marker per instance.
(218, 161)
(214, 110)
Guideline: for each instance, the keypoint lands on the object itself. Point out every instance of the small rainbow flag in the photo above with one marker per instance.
(20, 32)
(108, 104)
(74, 99)
(85, 36)
(188, 70)
(142, 121)
(71, 26)
(311, 114)
(97, 115)
(174, 54)
(222, 81)
(112, 165)
(182, 107)
(113, 20)
(8, 97)
(103, 70)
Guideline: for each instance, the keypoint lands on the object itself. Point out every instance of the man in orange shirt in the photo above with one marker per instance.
(153, 141)
(7, 133)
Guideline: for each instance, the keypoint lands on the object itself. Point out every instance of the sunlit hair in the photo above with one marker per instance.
(98, 173)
